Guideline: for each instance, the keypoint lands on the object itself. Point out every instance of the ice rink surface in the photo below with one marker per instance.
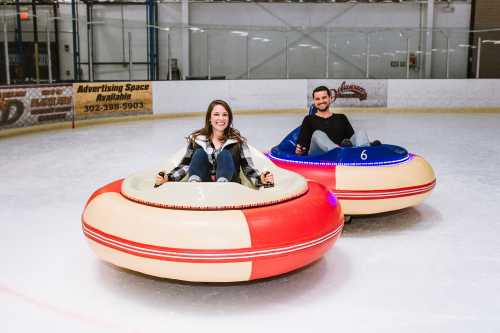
(432, 268)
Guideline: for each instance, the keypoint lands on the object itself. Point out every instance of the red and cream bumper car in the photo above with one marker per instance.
(212, 232)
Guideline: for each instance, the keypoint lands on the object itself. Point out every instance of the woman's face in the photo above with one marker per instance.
(219, 118)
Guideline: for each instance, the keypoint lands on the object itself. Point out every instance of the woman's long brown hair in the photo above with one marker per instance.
(229, 131)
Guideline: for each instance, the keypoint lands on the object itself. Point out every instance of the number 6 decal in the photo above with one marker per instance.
(363, 155)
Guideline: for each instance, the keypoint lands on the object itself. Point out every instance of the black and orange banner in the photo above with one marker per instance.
(112, 99)
(22, 106)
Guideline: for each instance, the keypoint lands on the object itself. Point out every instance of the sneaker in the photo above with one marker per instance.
(222, 180)
(375, 143)
(346, 143)
(194, 179)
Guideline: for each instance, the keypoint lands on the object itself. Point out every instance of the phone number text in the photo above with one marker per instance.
(114, 107)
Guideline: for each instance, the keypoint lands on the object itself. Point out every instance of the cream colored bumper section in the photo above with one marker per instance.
(362, 207)
(187, 229)
(196, 272)
(415, 172)
(113, 214)
(390, 179)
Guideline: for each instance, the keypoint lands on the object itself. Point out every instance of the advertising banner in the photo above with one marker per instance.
(353, 93)
(112, 99)
(23, 106)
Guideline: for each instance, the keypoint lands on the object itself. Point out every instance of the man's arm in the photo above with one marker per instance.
(304, 139)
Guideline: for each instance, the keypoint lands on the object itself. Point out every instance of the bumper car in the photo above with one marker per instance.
(366, 180)
(212, 232)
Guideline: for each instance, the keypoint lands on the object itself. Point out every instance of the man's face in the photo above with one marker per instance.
(322, 100)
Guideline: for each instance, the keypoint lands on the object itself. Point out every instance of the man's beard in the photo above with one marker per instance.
(323, 110)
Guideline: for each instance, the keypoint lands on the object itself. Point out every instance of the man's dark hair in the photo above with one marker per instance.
(322, 88)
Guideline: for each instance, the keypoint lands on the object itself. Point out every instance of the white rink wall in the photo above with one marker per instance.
(443, 93)
(180, 98)
(194, 96)
(170, 97)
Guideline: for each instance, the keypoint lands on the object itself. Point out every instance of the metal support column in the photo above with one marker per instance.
(148, 39)
(90, 40)
(130, 63)
(122, 26)
(185, 38)
(286, 59)
(478, 60)
(207, 55)
(422, 35)
(447, 57)
(407, 57)
(169, 60)
(35, 43)
(367, 56)
(76, 40)
(247, 56)
(55, 9)
(19, 42)
(6, 51)
(49, 53)
(327, 55)
(49, 48)
(152, 38)
(428, 44)
(157, 42)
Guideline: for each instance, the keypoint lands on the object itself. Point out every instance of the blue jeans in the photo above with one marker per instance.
(321, 143)
(200, 166)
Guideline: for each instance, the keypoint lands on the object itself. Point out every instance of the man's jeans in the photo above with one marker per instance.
(321, 143)
(200, 166)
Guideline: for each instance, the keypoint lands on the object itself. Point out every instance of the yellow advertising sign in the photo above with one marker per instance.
(105, 98)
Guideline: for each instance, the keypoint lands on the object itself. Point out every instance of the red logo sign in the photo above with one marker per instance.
(349, 91)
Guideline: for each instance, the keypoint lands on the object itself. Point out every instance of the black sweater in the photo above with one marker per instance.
(337, 127)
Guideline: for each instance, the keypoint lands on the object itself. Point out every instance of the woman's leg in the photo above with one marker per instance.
(225, 167)
(320, 143)
(198, 168)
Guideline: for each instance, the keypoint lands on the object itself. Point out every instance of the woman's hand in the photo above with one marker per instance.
(267, 178)
(160, 179)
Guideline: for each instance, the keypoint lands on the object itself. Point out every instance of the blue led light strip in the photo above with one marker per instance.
(394, 162)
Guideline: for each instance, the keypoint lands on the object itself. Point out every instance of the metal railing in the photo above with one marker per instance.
(238, 52)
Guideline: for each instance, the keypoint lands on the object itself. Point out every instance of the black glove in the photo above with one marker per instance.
(161, 174)
(346, 143)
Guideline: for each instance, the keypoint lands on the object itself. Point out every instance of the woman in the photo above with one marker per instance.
(216, 152)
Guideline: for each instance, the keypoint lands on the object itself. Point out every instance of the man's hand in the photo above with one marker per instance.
(299, 150)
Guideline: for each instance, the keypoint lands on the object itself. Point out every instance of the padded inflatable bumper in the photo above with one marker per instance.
(367, 180)
(372, 189)
(212, 245)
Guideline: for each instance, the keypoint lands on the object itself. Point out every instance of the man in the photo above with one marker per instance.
(323, 130)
